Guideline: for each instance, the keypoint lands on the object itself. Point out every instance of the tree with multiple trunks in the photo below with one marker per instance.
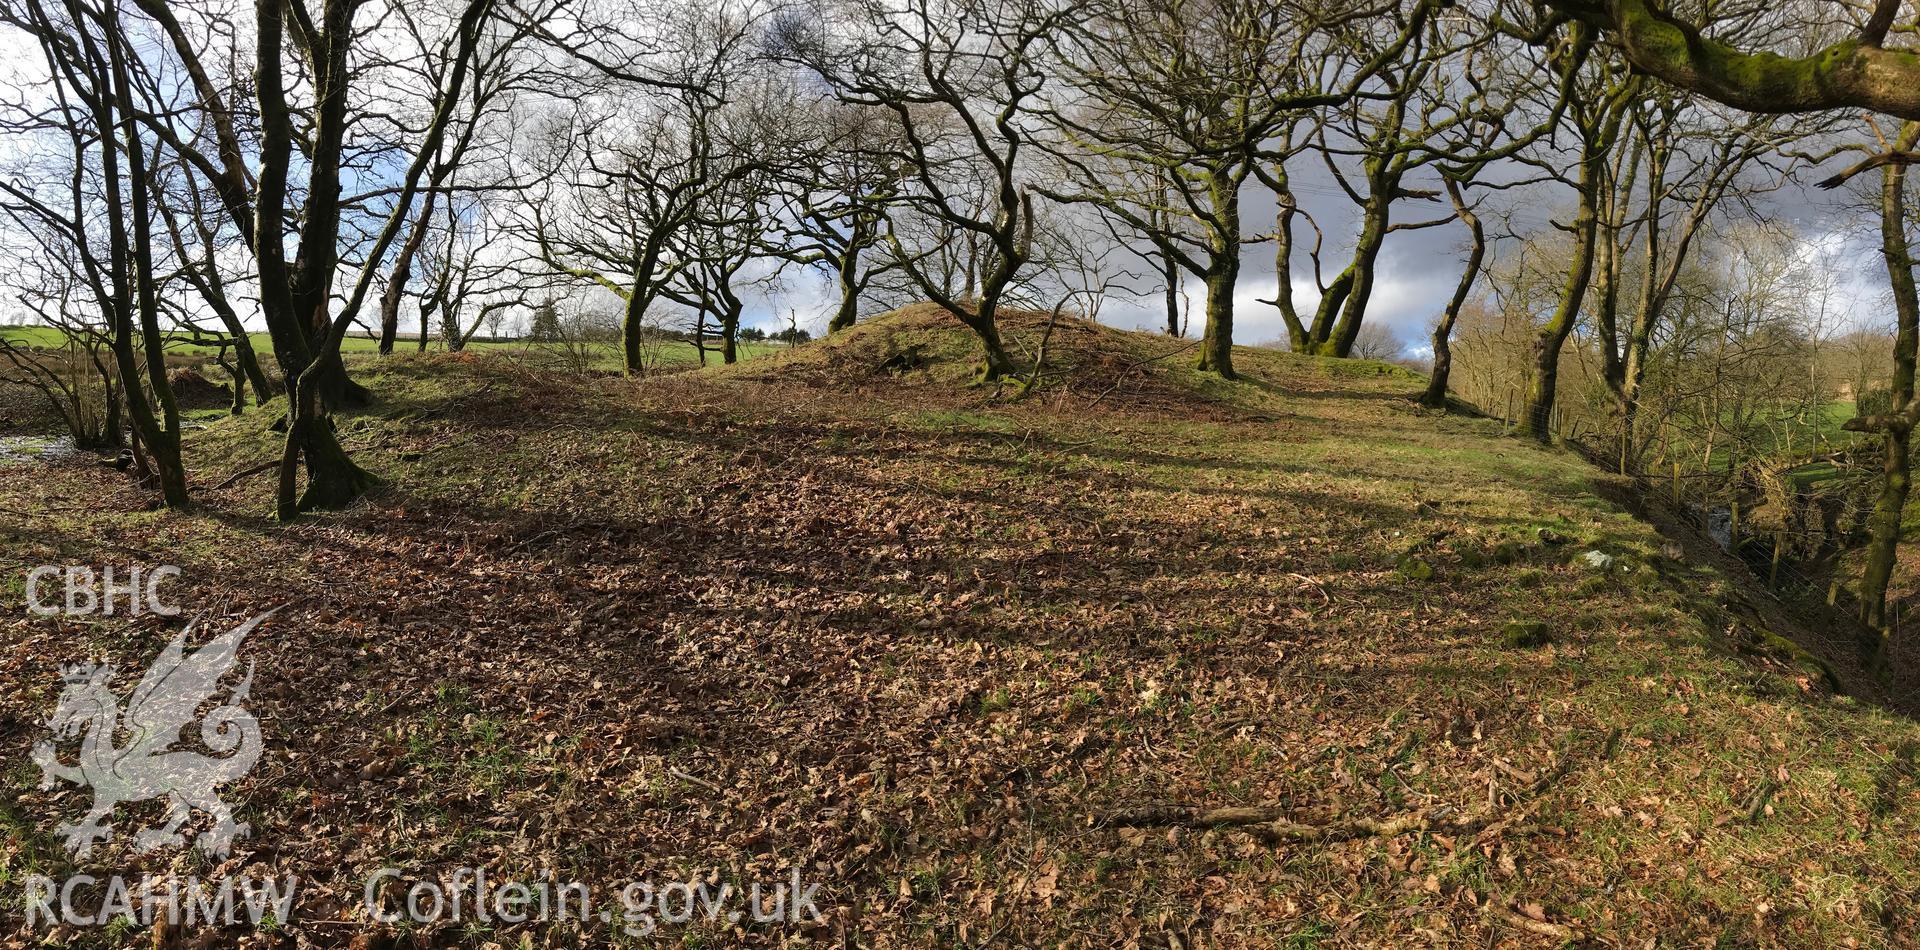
(105, 162)
(962, 80)
(304, 69)
(1178, 103)
(628, 175)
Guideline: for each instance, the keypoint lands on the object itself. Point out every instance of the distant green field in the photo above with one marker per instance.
(1819, 432)
(603, 356)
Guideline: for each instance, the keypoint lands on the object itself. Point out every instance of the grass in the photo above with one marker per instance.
(1822, 433)
(670, 353)
(924, 640)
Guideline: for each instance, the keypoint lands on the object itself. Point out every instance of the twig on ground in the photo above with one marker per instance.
(1124, 373)
(1757, 802)
(695, 779)
(1541, 927)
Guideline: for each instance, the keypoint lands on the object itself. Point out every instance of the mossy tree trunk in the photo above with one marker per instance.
(1223, 269)
(1883, 525)
(1435, 395)
(1216, 348)
(1286, 209)
(1598, 119)
(848, 310)
(995, 364)
(1366, 256)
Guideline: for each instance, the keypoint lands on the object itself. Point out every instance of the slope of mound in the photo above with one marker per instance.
(924, 348)
(1290, 663)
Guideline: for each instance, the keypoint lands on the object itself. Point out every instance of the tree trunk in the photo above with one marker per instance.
(849, 309)
(1883, 530)
(1536, 420)
(133, 286)
(249, 364)
(995, 363)
(1366, 256)
(730, 335)
(1170, 276)
(1216, 349)
(333, 480)
(1330, 302)
(633, 320)
(1436, 395)
(402, 272)
(1297, 337)
(1160, 217)
(1883, 526)
(427, 307)
(239, 403)
(337, 389)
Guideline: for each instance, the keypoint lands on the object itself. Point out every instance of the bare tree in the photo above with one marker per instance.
(107, 159)
(297, 302)
(1376, 342)
(832, 200)
(475, 155)
(1440, 375)
(1180, 102)
(636, 169)
(962, 78)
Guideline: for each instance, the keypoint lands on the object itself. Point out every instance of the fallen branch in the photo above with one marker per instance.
(1757, 802)
(244, 473)
(1318, 588)
(1270, 825)
(695, 779)
(1264, 823)
(1541, 927)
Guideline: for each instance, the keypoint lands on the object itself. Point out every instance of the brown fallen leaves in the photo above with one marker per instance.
(931, 650)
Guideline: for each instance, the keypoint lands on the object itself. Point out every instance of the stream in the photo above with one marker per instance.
(23, 449)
